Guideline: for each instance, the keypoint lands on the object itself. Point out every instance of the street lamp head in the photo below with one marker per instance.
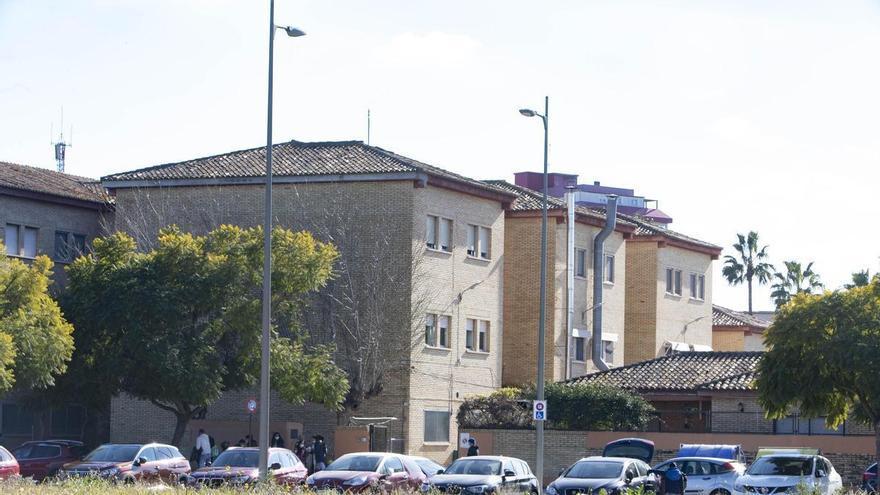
(527, 113)
(293, 32)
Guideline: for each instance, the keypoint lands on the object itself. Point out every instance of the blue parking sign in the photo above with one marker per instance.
(539, 410)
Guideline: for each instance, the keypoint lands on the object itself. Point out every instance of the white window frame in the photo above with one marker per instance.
(438, 336)
(22, 230)
(673, 281)
(702, 292)
(608, 276)
(475, 242)
(692, 282)
(579, 344)
(438, 222)
(430, 330)
(480, 334)
(580, 262)
(483, 335)
(448, 427)
(608, 350)
(470, 334)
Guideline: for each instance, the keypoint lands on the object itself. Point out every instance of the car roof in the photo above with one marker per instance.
(613, 459)
(699, 458)
(485, 458)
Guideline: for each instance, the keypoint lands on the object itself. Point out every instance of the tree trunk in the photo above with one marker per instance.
(750, 295)
(180, 427)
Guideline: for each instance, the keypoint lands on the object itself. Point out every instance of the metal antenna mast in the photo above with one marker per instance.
(60, 145)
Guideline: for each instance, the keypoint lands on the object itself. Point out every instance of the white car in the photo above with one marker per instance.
(777, 474)
(706, 475)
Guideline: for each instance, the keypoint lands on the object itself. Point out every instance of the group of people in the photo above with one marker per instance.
(313, 456)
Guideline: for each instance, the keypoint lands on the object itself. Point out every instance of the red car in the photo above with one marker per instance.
(369, 471)
(129, 463)
(238, 466)
(42, 459)
(8, 464)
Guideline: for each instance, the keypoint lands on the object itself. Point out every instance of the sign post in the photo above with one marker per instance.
(251, 408)
(539, 410)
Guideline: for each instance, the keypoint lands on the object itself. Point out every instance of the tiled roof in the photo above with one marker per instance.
(45, 181)
(725, 317)
(530, 200)
(297, 158)
(647, 229)
(683, 372)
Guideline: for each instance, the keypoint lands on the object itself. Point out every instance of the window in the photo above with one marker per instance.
(673, 281)
(609, 268)
(439, 233)
(698, 286)
(149, 454)
(16, 420)
(693, 285)
(484, 336)
(164, 453)
(68, 421)
(10, 239)
(580, 262)
(393, 465)
(436, 426)
(478, 242)
(68, 246)
(430, 331)
(579, 343)
(702, 292)
(480, 341)
(608, 351)
(29, 246)
(437, 330)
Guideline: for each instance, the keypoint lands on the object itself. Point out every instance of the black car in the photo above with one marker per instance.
(615, 475)
(484, 474)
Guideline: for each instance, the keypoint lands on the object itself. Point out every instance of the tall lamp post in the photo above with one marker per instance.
(539, 427)
(267, 259)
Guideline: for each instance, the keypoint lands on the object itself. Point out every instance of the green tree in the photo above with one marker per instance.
(180, 324)
(36, 342)
(860, 278)
(823, 356)
(749, 264)
(795, 280)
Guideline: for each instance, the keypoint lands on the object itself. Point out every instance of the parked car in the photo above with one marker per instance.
(429, 467)
(869, 479)
(485, 474)
(240, 466)
(633, 448)
(615, 475)
(130, 462)
(706, 475)
(733, 452)
(8, 464)
(369, 471)
(42, 459)
(774, 474)
(762, 451)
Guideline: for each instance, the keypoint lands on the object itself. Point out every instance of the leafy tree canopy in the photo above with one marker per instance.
(36, 342)
(180, 324)
(823, 357)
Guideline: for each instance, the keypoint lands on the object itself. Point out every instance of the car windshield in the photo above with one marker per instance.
(782, 466)
(355, 463)
(238, 458)
(485, 467)
(113, 453)
(595, 470)
(428, 466)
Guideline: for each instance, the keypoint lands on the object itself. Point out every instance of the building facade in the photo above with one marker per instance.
(736, 331)
(415, 308)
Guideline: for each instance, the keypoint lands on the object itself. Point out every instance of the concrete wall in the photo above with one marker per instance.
(461, 287)
(754, 342)
(675, 312)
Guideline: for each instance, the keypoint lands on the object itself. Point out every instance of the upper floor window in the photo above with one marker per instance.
(702, 292)
(439, 233)
(20, 240)
(698, 286)
(580, 262)
(673, 281)
(437, 330)
(476, 335)
(68, 246)
(579, 343)
(479, 242)
(609, 268)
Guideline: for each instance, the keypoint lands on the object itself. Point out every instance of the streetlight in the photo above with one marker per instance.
(539, 428)
(267, 259)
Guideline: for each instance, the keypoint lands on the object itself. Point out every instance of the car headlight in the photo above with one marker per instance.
(426, 487)
(357, 480)
(478, 489)
(310, 480)
(109, 472)
(551, 490)
(739, 487)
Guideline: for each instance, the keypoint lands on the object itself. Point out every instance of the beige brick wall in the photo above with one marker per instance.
(461, 287)
(641, 301)
(676, 312)
(728, 340)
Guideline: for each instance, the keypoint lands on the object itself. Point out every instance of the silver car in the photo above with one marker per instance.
(706, 475)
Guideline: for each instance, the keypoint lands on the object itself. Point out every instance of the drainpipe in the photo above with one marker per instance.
(599, 278)
(569, 280)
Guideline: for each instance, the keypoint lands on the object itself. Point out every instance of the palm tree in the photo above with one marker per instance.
(749, 264)
(796, 280)
(860, 278)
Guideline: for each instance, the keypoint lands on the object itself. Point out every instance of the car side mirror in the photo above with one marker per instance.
(275, 466)
(821, 473)
(508, 472)
(140, 460)
(561, 471)
(383, 477)
(439, 471)
(629, 478)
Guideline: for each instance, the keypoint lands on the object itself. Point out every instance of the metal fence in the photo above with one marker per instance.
(707, 421)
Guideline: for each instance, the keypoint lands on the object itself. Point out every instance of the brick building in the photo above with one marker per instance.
(736, 331)
(415, 309)
(44, 212)
(522, 277)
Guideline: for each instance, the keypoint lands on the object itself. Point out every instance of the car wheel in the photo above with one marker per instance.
(719, 492)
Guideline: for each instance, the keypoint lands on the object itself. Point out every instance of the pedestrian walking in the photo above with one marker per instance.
(277, 441)
(674, 481)
(203, 446)
(241, 443)
(300, 450)
(319, 450)
(473, 448)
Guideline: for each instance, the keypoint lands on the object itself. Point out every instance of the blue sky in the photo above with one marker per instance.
(735, 115)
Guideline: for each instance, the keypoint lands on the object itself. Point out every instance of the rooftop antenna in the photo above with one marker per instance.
(60, 145)
(368, 127)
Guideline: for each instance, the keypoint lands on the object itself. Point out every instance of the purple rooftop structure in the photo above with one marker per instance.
(595, 195)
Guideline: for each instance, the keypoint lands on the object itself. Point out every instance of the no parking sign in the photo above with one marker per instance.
(539, 410)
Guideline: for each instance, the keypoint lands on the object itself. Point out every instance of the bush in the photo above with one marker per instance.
(571, 406)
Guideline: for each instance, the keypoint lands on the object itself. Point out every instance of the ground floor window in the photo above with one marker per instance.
(16, 420)
(436, 426)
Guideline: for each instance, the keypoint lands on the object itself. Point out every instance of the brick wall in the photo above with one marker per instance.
(641, 301)
(724, 339)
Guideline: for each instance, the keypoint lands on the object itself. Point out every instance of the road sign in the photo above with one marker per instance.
(539, 410)
(251, 406)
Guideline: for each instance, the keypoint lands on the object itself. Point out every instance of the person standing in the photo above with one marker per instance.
(277, 441)
(319, 450)
(473, 448)
(674, 481)
(203, 446)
